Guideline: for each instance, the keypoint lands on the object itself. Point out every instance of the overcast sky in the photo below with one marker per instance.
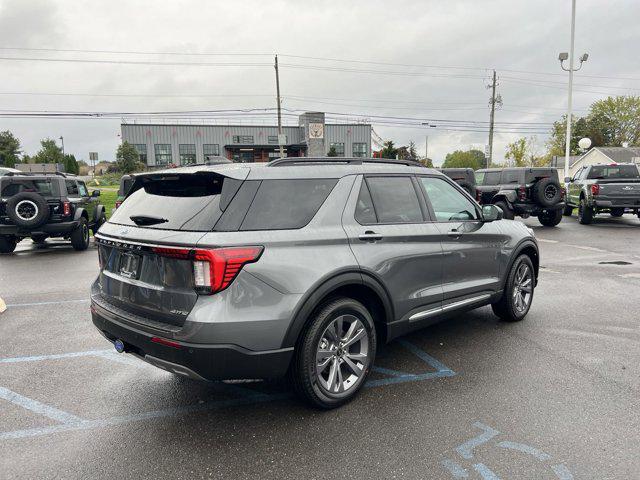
(506, 35)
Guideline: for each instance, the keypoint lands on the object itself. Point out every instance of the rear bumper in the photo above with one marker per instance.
(536, 210)
(199, 361)
(617, 203)
(47, 229)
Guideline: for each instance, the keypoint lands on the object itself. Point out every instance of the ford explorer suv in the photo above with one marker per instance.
(299, 267)
(613, 189)
(39, 206)
(523, 191)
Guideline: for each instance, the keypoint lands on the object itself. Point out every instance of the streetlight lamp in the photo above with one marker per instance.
(562, 57)
(426, 143)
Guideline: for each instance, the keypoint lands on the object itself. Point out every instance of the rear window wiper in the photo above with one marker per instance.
(147, 219)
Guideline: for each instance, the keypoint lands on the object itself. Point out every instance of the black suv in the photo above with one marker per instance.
(41, 206)
(523, 191)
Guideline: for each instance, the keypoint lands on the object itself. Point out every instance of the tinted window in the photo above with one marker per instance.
(72, 187)
(511, 176)
(491, 178)
(364, 208)
(395, 199)
(448, 203)
(613, 171)
(82, 188)
(479, 178)
(42, 187)
(186, 202)
(285, 204)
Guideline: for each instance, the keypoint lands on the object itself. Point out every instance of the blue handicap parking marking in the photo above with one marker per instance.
(241, 395)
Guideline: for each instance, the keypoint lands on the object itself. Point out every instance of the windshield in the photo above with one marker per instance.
(173, 202)
(613, 171)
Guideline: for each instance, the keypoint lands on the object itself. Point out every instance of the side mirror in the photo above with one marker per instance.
(567, 179)
(491, 213)
(95, 193)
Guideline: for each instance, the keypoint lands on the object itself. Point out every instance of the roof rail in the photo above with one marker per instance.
(288, 161)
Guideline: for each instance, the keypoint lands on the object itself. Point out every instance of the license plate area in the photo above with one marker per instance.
(129, 265)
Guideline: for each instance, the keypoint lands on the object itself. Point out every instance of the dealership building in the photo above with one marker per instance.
(164, 144)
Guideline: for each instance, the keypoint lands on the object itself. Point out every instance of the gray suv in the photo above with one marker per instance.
(299, 267)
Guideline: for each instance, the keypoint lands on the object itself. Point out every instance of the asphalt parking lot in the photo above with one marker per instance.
(556, 396)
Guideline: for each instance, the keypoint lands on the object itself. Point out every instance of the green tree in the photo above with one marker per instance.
(71, 165)
(9, 149)
(127, 158)
(524, 153)
(412, 150)
(389, 150)
(465, 159)
(49, 152)
(332, 152)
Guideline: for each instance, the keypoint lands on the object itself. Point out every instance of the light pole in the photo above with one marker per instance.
(62, 140)
(562, 57)
(426, 141)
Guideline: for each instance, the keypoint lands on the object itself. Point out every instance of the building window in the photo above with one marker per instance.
(210, 150)
(243, 139)
(359, 149)
(163, 153)
(273, 139)
(141, 148)
(187, 153)
(339, 148)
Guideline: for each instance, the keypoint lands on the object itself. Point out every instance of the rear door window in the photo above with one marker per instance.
(491, 178)
(72, 187)
(43, 187)
(174, 202)
(613, 171)
(395, 200)
(82, 188)
(286, 204)
(511, 176)
(365, 213)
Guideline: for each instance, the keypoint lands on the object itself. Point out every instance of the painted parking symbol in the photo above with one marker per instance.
(465, 463)
(431, 368)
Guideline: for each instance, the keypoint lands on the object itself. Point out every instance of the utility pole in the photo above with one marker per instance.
(426, 148)
(492, 102)
(279, 113)
(62, 140)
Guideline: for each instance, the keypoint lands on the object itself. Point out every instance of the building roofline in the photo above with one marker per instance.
(252, 126)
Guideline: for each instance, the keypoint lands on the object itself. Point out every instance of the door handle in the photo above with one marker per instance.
(370, 236)
(454, 233)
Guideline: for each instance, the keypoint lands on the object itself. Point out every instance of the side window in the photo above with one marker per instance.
(480, 178)
(447, 202)
(82, 188)
(491, 178)
(287, 204)
(72, 187)
(395, 199)
(365, 213)
(511, 176)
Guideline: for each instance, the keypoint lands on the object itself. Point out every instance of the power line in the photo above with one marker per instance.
(135, 62)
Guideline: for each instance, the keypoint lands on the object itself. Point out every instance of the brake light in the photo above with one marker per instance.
(522, 193)
(66, 208)
(595, 189)
(214, 269)
(165, 342)
(118, 203)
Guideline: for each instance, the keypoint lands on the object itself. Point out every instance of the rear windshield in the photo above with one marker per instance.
(174, 202)
(613, 171)
(43, 187)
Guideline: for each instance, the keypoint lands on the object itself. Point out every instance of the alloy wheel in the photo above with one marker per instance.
(522, 288)
(342, 355)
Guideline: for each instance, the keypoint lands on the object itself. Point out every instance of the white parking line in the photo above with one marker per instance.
(39, 408)
(37, 304)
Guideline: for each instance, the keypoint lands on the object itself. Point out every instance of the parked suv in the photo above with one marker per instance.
(465, 177)
(41, 206)
(300, 266)
(595, 189)
(524, 192)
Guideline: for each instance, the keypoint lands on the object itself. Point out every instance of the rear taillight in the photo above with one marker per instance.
(478, 196)
(522, 193)
(66, 208)
(214, 269)
(595, 189)
(118, 203)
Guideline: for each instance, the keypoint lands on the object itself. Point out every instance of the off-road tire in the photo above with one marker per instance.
(80, 236)
(22, 205)
(508, 213)
(506, 308)
(550, 219)
(303, 374)
(101, 221)
(585, 213)
(547, 192)
(8, 244)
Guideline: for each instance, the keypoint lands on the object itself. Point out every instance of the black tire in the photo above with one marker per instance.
(101, 221)
(28, 209)
(507, 212)
(585, 213)
(8, 244)
(568, 210)
(507, 308)
(617, 212)
(308, 382)
(547, 192)
(39, 239)
(550, 219)
(80, 236)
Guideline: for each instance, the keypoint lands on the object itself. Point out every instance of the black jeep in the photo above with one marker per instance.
(465, 177)
(523, 191)
(41, 206)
